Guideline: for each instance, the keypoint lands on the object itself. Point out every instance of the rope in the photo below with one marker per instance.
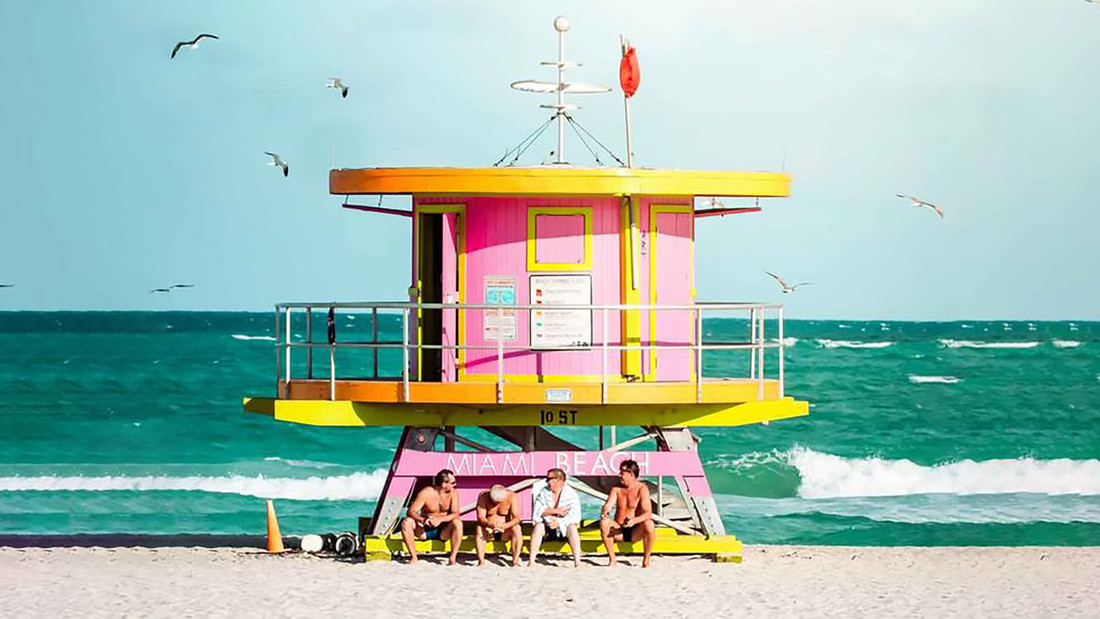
(595, 155)
(520, 148)
(594, 139)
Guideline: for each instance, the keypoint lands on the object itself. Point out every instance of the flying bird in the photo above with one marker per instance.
(171, 288)
(193, 43)
(335, 82)
(278, 161)
(787, 288)
(917, 203)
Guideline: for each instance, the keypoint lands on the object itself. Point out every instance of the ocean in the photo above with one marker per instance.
(919, 433)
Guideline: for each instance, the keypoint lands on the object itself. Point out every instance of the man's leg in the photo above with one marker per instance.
(408, 533)
(456, 539)
(647, 532)
(479, 543)
(574, 538)
(609, 530)
(517, 544)
(536, 542)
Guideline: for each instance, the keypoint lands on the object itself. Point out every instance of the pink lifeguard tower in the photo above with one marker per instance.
(551, 308)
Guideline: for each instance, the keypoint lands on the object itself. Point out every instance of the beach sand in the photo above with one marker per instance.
(777, 580)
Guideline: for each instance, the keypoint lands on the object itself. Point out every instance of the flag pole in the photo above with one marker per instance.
(626, 105)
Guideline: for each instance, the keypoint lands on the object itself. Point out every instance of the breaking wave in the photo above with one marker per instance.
(945, 380)
(357, 486)
(1065, 343)
(263, 338)
(971, 344)
(851, 344)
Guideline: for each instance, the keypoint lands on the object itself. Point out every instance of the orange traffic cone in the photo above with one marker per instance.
(274, 538)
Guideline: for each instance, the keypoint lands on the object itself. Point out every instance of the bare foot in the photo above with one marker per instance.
(645, 562)
(611, 563)
(481, 562)
(413, 560)
(453, 561)
(576, 563)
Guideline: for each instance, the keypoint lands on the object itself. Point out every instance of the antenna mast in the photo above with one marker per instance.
(561, 87)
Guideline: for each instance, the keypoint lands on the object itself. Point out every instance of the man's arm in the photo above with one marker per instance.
(482, 511)
(418, 506)
(605, 511)
(541, 508)
(513, 511)
(644, 510)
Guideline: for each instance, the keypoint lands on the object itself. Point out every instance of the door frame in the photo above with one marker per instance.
(459, 210)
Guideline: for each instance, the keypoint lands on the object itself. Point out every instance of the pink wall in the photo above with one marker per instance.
(496, 245)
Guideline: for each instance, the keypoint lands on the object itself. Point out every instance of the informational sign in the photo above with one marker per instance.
(499, 325)
(555, 328)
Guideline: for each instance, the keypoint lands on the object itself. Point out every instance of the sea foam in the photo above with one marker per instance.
(826, 475)
(971, 344)
(945, 380)
(1065, 343)
(264, 338)
(357, 486)
(851, 344)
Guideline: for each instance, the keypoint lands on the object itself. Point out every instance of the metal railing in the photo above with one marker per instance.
(756, 345)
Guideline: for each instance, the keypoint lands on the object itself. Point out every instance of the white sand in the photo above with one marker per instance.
(776, 580)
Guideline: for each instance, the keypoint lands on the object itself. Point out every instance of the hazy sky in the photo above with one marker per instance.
(122, 170)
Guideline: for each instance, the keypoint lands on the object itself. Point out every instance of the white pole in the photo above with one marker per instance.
(629, 143)
(561, 85)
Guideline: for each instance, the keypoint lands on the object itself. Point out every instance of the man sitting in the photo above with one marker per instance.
(434, 515)
(498, 518)
(557, 515)
(633, 514)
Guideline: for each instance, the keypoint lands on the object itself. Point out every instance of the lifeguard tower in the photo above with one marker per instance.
(551, 308)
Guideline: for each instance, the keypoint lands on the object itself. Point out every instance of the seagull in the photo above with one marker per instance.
(917, 202)
(335, 82)
(787, 288)
(277, 160)
(171, 288)
(193, 43)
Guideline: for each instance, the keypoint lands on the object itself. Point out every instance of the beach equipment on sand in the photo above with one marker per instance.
(312, 543)
(345, 544)
(549, 306)
(274, 538)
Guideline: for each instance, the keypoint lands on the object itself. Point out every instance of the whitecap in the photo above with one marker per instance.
(1065, 343)
(945, 380)
(971, 344)
(263, 338)
(852, 344)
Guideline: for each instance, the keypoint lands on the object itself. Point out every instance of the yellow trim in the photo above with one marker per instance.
(437, 415)
(532, 257)
(555, 181)
(544, 378)
(654, 210)
(631, 324)
(460, 316)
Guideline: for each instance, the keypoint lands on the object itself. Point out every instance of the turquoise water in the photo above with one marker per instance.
(919, 433)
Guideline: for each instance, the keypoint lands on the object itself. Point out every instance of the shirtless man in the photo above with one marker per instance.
(633, 514)
(434, 515)
(498, 518)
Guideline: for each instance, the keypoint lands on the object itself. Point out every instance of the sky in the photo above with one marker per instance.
(122, 170)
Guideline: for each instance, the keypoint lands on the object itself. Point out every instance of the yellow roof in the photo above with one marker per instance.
(548, 180)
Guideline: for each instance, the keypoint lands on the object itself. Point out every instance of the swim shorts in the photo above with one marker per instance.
(433, 532)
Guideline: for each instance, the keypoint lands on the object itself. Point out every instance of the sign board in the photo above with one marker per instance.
(560, 328)
(499, 325)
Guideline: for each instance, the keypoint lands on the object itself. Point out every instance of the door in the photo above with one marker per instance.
(438, 280)
(672, 285)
